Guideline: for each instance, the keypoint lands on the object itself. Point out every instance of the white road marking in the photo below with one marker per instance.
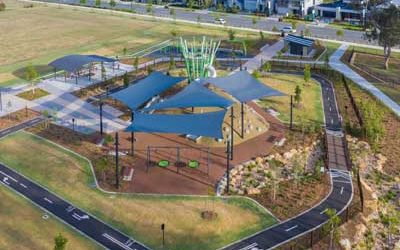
(80, 217)
(70, 208)
(23, 185)
(9, 177)
(76, 216)
(341, 190)
(5, 180)
(48, 200)
(116, 242)
(251, 246)
(323, 211)
(289, 229)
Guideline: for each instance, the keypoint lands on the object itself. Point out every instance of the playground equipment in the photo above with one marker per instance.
(199, 57)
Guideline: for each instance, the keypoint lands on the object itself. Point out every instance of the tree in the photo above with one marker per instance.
(262, 36)
(332, 226)
(82, 2)
(231, 34)
(307, 73)
(103, 72)
(307, 32)
(149, 6)
(124, 51)
(126, 80)
(294, 24)
(189, 4)
(275, 29)
(297, 94)
(267, 67)
(172, 13)
(97, 3)
(339, 33)
(60, 242)
(198, 19)
(386, 29)
(171, 65)
(136, 64)
(31, 75)
(2, 6)
(112, 4)
(254, 21)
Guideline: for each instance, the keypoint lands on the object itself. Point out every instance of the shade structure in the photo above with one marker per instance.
(299, 40)
(242, 86)
(73, 63)
(137, 94)
(207, 124)
(194, 95)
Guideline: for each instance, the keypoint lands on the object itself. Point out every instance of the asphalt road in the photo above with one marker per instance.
(81, 221)
(235, 20)
(339, 198)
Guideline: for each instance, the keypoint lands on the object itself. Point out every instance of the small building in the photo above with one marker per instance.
(343, 10)
(299, 46)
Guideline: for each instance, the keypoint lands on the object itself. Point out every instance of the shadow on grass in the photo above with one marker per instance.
(41, 69)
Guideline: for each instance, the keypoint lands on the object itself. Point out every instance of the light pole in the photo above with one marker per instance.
(116, 161)
(73, 124)
(101, 117)
(132, 137)
(228, 154)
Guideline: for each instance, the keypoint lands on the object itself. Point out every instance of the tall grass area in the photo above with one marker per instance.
(69, 176)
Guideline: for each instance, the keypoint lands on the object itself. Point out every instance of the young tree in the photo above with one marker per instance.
(2, 6)
(149, 6)
(60, 242)
(103, 72)
(294, 24)
(172, 13)
(31, 75)
(112, 4)
(189, 4)
(231, 34)
(339, 33)
(136, 64)
(124, 51)
(297, 94)
(332, 226)
(126, 80)
(307, 32)
(97, 3)
(307, 73)
(386, 29)
(198, 19)
(373, 122)
(254, 20)
(267, 67)
(261, 35)
(82, 2)
(171, 65)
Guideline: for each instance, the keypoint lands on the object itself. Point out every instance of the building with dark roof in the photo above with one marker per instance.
(298, 45)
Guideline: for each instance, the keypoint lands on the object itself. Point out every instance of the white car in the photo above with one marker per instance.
(220, 21)
(288, 29)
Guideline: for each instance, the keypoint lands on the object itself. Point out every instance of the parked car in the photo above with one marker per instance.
(220, 20)
(288, 29)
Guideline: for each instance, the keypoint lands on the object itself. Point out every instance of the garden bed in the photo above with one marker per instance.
(17, 117)
(33, 95)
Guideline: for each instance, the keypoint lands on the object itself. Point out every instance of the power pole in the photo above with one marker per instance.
(228, 154)
(101, 118)
(116, 161)
(231, 139)
(132, 138)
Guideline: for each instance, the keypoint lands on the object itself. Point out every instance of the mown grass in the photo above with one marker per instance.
(140, 216)
(43, 33)
(22, 226)
(311, 109)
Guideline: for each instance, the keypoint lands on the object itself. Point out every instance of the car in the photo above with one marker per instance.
(288, 29)
(220, 20)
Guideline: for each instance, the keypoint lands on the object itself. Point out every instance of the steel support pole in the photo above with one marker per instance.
(116, 161)
(228, 149)
(132, 138)
(1, 102)
(101, 118)
(242, 117)
(231, 139)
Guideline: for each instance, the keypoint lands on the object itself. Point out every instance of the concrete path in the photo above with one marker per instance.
(266, 54)
(335, 63)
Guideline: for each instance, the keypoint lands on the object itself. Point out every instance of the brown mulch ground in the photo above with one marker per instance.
(292, 199)
(17, 117)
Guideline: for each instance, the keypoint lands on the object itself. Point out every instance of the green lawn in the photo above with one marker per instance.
(311, 110)
(140, 216)
(43, 33)
(22, 226)
(330, 49)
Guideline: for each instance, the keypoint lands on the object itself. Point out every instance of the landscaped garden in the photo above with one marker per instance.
(23, 227)
(140, 216)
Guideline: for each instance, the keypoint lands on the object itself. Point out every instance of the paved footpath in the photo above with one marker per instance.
(84, 223)
(335, 63)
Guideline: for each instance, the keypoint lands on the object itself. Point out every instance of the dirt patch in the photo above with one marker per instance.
(17, 117)
(292, 199)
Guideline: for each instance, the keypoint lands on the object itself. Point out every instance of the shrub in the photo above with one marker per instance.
(2, 6)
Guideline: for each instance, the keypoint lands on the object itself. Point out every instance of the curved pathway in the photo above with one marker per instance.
(339, 197)
(84, 223)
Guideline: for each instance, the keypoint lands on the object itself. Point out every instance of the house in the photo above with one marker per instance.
(344, 10)
(299, 46)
